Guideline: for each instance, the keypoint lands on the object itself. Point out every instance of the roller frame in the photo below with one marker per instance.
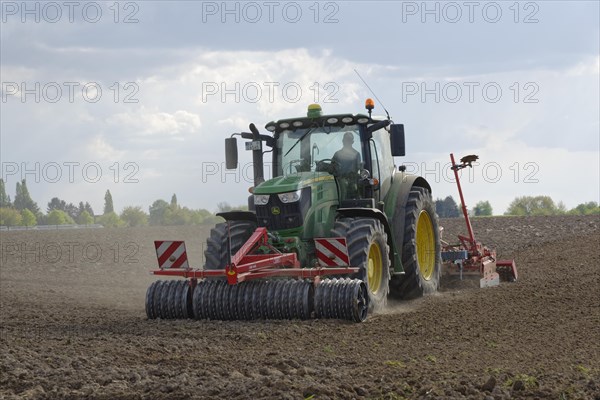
(245, 265)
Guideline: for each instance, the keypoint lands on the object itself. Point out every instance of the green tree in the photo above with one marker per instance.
(589, 208)
(85, 218)
(56, 204)
(10, 217)
(134, 216)
(446, 208)
(483, 208)
(108, 203)
(110, 220)
(157, 212)
(23, 199)
(4, 198)
(85, 207)
(174, 200)
(28, 218)
(58, 217)
(534, 205)
(200, 216)
(72, 211)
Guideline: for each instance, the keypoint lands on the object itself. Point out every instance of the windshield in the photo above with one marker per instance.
(300, 150)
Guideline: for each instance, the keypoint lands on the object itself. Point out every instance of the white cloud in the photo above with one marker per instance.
(146, 122)
(99, 149)
(178, 126)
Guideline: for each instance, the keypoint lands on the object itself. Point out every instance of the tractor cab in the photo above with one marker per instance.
(320, 163)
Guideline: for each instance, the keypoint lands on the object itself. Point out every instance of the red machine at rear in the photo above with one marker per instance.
(470, 258)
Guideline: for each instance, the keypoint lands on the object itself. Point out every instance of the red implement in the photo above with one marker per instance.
(470, 257)
(257, 258)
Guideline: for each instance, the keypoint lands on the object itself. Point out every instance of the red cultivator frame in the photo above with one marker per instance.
(470, 257)
(255, 259)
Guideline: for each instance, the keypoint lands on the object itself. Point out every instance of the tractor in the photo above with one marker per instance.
(336, 229)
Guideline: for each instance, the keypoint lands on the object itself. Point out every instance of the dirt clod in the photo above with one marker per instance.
(489, 385)
(518, 385)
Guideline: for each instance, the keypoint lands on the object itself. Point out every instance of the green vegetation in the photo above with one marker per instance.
(10, 217)
(538, 205)
(58, 217)
(589, 208)
(134, 216)
(544, 205)
(395, 364)
(108, 203)
(529, 382)
(23, 211)
(23, 199)
(110, 220)
(482, 209)
(431, 358)
(446, 208)
(85, 218)
(27, 218)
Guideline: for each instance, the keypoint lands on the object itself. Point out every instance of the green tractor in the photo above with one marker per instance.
(337, 205)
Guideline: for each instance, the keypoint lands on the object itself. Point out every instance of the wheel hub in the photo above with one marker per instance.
(425, 238)
(374, 268)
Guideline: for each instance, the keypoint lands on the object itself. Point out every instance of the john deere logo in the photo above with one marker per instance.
(275, 210)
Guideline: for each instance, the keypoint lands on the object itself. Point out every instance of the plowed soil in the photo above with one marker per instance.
(73, 326)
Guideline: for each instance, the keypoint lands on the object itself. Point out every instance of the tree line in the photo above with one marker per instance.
(520, 206)
(23, 211)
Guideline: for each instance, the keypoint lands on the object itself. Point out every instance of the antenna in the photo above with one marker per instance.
(373, 93)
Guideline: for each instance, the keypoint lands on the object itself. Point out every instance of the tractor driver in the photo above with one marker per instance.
(347, 158)
(347, 163)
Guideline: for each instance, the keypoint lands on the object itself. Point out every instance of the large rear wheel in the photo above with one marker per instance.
(421, 257)
(368, 249)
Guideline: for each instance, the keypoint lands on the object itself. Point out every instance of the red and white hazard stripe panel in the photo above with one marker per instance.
(171, 254)
(332, 252)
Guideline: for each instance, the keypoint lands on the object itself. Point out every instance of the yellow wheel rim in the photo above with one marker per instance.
(425, 238)
(374, 268)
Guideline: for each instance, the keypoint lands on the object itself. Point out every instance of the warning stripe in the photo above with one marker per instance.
(332, 251)
(171, 254)
(325, 260)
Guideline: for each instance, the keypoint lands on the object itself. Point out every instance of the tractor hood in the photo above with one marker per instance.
(290, 183)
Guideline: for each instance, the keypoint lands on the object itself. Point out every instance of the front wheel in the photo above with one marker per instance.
(216, 253)
(421, 250)
(368, 249)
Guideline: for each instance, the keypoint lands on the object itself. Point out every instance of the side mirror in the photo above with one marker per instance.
(397, 140)
(231, 154)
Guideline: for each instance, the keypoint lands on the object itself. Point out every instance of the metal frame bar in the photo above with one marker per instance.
(245, 265)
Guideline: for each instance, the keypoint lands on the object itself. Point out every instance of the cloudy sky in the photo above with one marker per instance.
(137, 97)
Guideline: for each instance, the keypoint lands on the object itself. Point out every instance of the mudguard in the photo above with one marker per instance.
(238, 216)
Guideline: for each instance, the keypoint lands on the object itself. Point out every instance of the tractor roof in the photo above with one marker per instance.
(322, 120)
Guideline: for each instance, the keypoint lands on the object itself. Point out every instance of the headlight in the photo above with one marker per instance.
(261, 199)
(364, 174)
(289, 197)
